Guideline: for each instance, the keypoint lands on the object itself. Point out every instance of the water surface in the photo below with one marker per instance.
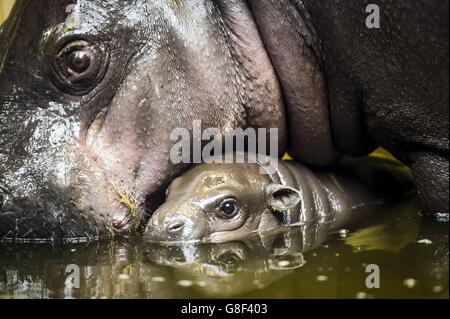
(411, 253)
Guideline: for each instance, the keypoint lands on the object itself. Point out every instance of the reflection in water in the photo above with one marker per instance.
(230, 269)
(296, 263)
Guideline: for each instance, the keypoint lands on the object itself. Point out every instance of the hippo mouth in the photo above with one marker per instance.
(119, 171)
(196, 234)
(70, 196)
(126, 208)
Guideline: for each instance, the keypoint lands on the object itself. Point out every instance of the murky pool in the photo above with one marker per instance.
(398, 252)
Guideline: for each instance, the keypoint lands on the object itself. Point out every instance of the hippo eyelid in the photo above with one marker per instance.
(214, 200)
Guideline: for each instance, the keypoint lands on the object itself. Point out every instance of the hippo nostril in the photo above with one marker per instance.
(175, 227)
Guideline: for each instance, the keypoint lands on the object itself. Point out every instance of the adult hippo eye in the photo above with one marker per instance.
(228, 209)
(79, 67)
(79, 62)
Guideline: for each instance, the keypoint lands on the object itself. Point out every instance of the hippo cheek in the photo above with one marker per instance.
(242, 226)
(59, 192)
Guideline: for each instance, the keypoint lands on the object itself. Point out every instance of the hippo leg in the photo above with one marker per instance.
(431, 177)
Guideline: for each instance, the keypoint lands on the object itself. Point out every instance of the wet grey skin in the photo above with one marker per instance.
(86, 110)
(222, 202)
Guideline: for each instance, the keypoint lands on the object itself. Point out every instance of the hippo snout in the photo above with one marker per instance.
(170, 224)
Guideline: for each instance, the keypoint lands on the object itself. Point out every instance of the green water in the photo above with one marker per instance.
(411, 253)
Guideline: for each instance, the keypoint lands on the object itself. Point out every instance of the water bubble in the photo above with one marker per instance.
(425, 241)
(322, 278)
(258, 284)
(410, 283)
(284, 263)
(361, 295)
(158, 279)
(185, 283)
(124, 277)
(344, 233)
(437, 289)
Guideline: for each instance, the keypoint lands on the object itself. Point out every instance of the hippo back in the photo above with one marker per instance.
(350, 191)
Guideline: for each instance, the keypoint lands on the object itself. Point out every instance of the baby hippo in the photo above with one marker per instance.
(225, 202)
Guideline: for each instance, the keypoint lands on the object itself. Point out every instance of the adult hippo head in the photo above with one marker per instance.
(88, 101)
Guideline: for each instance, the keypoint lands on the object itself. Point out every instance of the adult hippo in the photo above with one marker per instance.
(221, 202)
(88, 101)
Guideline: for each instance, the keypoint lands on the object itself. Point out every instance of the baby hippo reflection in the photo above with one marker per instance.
(232, 268)
(224, 202)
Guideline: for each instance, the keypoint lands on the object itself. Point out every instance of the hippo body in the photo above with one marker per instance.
(221, 202)
(90, 91)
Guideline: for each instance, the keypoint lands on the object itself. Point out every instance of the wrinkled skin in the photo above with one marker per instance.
(193, 208)
(386, 86)
(84, 152)
(222, 202)
(80, 154)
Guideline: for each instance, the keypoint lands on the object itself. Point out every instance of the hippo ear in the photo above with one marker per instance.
(282, 198)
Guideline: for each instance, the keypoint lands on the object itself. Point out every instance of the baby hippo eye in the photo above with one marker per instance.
(79, 61)
(228, 208)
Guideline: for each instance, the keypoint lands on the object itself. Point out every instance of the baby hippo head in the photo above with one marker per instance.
(220, 203)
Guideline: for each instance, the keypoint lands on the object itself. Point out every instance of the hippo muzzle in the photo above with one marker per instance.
(177, 223)
(51, 190)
